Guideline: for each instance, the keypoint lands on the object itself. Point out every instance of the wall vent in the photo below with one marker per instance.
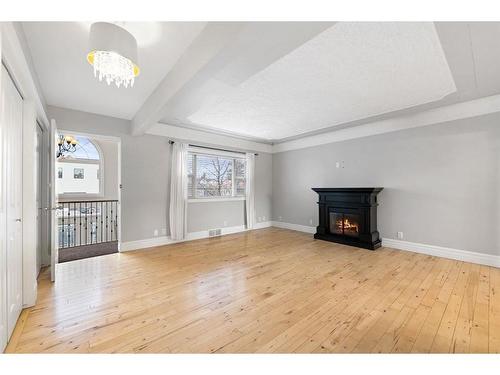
(214, 232)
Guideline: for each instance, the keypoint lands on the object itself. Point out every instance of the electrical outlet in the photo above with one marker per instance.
(263, 218)
(311, 221)
(155, 233)
(225, 223)
(400, 235)
(337, 164)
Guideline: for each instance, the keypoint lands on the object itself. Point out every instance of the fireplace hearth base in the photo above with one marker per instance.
(349, 241)
(348, 216)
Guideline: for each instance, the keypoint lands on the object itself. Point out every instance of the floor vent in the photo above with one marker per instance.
(214, 232)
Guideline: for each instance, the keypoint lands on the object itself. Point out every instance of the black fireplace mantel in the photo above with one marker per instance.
(348, 215)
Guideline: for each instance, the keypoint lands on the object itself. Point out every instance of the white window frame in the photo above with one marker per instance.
(219, 153)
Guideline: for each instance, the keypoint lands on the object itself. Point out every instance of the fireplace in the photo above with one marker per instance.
(348, 216)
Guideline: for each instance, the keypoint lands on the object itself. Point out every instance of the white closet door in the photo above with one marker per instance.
(13, 118)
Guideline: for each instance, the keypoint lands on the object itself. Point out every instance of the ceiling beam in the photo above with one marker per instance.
(257, 46)
(208, 139)
(204, 48)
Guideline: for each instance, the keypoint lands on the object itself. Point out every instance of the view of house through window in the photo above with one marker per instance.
(79, 172)
(212, 176)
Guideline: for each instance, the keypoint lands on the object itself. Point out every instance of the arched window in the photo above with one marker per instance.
(79, 173)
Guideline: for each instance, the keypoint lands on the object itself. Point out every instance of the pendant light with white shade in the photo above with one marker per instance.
(113, 54)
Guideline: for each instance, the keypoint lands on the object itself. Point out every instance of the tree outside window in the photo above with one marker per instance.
(212, 176)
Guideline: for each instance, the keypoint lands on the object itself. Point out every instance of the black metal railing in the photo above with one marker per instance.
(87, 222)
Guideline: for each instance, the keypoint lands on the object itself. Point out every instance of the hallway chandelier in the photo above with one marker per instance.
(66, 144)
(113, 54)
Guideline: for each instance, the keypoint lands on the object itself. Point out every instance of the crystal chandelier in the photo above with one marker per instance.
(113, 51)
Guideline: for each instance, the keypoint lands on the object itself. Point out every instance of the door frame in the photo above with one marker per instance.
(45, 198)
(118, 141)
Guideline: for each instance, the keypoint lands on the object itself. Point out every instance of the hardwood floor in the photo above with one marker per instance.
(269, 290)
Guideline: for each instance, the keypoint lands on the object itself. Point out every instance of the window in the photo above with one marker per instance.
(78, 173)
(215, 176)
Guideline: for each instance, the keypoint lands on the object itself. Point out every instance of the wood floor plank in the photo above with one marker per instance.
(494, 313)
(269, 290)
(444, 337)
(463, 329)
(479, 342)
(437, 299)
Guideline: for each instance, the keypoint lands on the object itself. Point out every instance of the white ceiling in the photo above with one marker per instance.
(273, 81)
(59, 51)
(348, 72)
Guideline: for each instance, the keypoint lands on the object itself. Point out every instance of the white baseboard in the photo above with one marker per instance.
(297, 227)
(264, 224)
(443, 252)
(438, 251)
(148, 242)
(166, 240)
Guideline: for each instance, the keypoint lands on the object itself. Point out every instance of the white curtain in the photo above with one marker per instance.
(250, 190)
(178, 192)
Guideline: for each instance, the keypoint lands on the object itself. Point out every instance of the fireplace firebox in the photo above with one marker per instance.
(348, 216)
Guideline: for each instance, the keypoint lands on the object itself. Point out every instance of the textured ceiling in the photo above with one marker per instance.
(275, 80)
(350, 71)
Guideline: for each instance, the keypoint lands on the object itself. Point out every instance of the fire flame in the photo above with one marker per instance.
(347, 226)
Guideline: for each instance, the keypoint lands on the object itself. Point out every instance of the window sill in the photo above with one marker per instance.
(207, 200)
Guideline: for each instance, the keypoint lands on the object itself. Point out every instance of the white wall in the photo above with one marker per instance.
(111, 180)
(146, 180)
(441, 182)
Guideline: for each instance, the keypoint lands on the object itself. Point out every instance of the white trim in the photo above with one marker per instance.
(209, 152)
(458, 111)
(297, 227)
(443, 252)
(166, 240)
(472, 108)
(207, 139)
(212, 200)
(262, 225)
(146, 243)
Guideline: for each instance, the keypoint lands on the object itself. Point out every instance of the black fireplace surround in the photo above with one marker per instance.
(348, 216)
